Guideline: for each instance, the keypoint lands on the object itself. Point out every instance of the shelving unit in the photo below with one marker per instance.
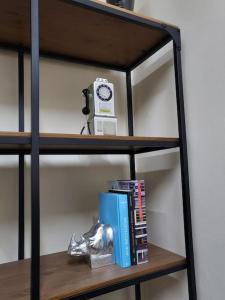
(119, 40)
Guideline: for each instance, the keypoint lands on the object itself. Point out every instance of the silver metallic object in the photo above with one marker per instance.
(96, 245)
(128, 4)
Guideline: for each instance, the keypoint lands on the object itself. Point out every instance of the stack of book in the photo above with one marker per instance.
(124, 208)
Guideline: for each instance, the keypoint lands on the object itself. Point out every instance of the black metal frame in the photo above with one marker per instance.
(36, 142)
(184, 172)
(35, 184)
(132, 156)
(21, 215)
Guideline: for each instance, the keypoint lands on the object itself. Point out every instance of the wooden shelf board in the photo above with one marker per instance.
(14, 142)
(73, 29)
(107, 137)
(53, 143)
(14, 134)
(62, 276)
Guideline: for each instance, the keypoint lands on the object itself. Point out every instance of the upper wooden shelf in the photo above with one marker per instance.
(62, 277)
(88, 31)
(57, 143)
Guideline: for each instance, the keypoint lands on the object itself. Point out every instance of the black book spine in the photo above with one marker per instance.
(132, 230)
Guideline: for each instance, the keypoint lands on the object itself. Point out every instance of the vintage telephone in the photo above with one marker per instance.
(99, 107)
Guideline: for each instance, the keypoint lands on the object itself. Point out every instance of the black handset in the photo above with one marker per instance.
(86, 109)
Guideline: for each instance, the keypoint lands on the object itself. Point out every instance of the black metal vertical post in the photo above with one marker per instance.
(184, 170)
(21, 156)
(130, 121)
(35, 185)
(132, 156)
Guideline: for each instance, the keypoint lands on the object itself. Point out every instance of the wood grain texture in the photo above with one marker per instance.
(88, 137)
(67, 29)
(14, 134)
(62, 276)
(91, 137)
(84, 144)
(135, 14)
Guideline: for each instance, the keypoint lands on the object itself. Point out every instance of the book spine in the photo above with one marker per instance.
(140, 232)
(132, 230)
(124, 240)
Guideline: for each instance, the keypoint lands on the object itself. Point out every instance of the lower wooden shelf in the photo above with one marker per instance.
(63, 277)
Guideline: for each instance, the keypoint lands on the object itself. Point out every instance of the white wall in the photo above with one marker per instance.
(203, 48)
(67, 206)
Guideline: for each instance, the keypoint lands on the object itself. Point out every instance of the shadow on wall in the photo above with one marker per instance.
(8, 214)
(69, 201)
(75, 187)
(152, 83)
(166, 288)
(164, 200)
(161, 173)
(124, 294)
(155, 103)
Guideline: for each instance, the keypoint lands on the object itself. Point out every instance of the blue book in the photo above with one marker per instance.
(113, 210)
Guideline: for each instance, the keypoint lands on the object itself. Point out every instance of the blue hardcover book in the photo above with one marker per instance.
(113, 210)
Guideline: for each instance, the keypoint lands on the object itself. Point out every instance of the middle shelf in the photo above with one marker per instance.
(57, 143)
